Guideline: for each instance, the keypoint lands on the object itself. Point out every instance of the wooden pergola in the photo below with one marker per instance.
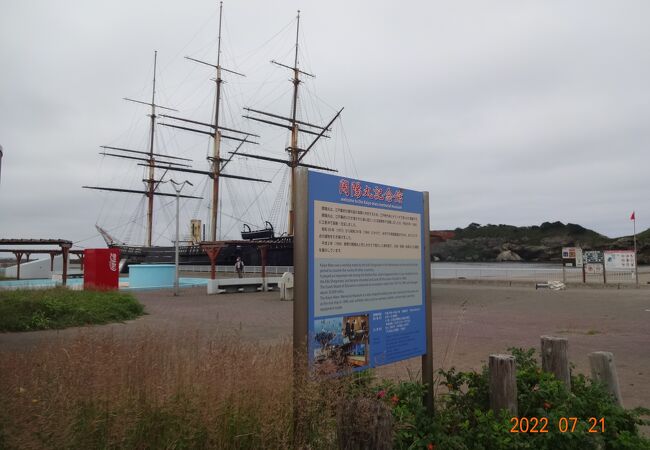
(213, 248)
(64, 250)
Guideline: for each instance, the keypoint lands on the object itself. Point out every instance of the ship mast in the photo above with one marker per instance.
(149, 157)
(216, 140)
(217, 163)
(150, 180)
(294, 129)
(296, 154)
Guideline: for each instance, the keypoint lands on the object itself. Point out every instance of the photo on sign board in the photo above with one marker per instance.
(342, 341)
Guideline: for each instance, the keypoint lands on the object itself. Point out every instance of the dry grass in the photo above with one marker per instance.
(166, 390)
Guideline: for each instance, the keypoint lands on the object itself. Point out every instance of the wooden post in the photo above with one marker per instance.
(503, 383)
(563, 272)
(64, 253)
(603, 370)
(364, 423)
(19, 256)
(300, 299)
(52, 255)
(584, 274)
(604, 273)
(213, 253)
(263, 250)
(555, 359)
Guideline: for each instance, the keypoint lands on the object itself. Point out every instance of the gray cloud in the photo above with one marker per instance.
(509, 112)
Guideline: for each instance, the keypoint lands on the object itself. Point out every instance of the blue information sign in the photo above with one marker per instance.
(366, 273)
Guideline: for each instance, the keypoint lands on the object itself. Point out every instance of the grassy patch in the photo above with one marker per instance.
(28, 310)
(182, 390)
(155, 390)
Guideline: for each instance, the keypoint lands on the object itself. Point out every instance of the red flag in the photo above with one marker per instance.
(632, 216)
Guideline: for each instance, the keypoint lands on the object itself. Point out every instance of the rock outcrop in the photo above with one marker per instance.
(508, 255)
(543, 243)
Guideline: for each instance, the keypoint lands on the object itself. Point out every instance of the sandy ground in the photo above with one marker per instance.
(469, 323)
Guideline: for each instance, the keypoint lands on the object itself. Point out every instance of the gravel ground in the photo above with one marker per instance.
(469, 323)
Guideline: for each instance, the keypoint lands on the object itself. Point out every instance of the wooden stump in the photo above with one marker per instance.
(555, 359)
(364, 424)
(503, 383)
(603, 370)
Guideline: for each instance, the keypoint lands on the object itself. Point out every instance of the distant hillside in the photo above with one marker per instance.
(533, 243)
(645, 235)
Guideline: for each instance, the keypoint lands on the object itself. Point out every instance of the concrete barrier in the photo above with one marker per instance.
(231, 285)
(36, 268)
(286, 286)
(143, 276)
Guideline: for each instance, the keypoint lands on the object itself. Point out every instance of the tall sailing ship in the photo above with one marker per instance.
(279, 248)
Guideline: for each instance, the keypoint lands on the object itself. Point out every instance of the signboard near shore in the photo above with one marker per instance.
(593, 257)
(366, 275)
(594, 265)
(593, 268)
(572, 256)
(619, 259)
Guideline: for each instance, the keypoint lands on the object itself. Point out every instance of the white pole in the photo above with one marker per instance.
(178, 197)
(178, 187)
(636, 265)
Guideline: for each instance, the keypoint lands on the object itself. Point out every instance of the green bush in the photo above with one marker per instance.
(28, 310)
(463, 419)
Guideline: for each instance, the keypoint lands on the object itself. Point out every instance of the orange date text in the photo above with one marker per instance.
(563, 425)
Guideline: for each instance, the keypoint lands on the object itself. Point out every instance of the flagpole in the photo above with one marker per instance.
(636, 266)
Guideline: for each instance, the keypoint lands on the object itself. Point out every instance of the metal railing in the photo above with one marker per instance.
(270, 270)
(536, 274)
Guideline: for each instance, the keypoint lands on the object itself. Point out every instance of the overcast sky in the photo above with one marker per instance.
(512, 112)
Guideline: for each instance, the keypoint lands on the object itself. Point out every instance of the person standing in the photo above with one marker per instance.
(239, 267)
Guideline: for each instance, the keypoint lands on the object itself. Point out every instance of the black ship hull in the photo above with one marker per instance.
(279, 253)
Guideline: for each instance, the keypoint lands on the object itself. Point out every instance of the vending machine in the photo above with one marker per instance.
(101, 268)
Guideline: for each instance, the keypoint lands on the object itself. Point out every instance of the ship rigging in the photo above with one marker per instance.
(217, 131)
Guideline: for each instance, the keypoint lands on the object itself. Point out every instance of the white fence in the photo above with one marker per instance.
(536, 273)
(278, 270)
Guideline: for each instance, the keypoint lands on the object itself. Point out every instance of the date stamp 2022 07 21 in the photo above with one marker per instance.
(563, 425)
